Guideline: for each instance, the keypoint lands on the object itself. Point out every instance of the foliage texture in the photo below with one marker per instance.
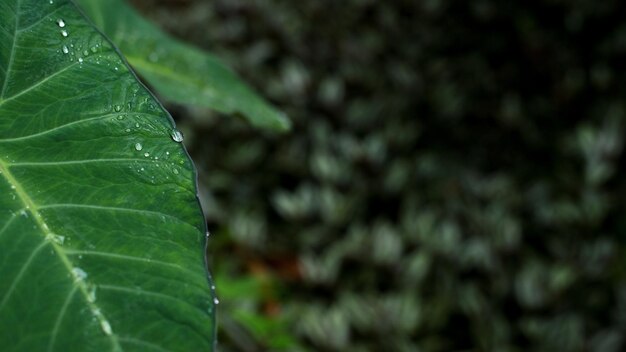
(101, 234)
(454, 180)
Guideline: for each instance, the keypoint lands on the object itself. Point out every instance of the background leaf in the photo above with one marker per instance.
(177, 71)
(101, 235)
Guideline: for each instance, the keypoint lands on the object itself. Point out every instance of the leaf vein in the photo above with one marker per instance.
(20, 275)
(59, 319)
(109, 208)
(11, 57)
(131, 258)
(34, 210)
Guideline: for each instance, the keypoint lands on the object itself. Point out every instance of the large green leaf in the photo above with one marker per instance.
(177, 71)
(101, 235)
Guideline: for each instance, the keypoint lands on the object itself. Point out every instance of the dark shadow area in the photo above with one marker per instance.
(453, 181)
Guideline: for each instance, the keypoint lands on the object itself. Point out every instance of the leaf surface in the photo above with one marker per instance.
(101, 234)
(180, 72)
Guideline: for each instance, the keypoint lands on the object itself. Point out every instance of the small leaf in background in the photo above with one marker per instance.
(177, 71)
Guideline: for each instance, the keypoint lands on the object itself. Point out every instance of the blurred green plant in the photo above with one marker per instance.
(177, 71)
(453, 180)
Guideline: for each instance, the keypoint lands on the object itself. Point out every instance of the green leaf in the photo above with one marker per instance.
(101, 234)
(179, 72)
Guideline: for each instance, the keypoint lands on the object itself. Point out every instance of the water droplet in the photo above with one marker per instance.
(138, 146)
(106, 327)
(79, 274)
(86, 53)
(146, 154)
(61, 23)
(65, 49)
(55, 238)
(91, 294)
(127, 130)
(175, 171)
(137, 124)
(142, 169)
(215, 300)
(80, 59)
(118, 108)
(64, 33)
(177, 136)
(23, 213)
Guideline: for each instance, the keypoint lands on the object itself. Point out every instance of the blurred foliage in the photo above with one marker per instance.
(177, 71)
(452, 181)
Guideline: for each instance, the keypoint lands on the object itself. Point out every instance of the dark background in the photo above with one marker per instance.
(453, 181)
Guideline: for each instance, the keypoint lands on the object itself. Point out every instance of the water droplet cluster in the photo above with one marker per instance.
(74, 49)
(130, 98)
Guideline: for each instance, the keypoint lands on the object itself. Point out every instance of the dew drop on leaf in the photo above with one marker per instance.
(64, 33)
(177, 136)
(61, 23)
(106, 327)
(138, 146)
(91, 294)
(55, 238)
(65, 49)
(79, 274)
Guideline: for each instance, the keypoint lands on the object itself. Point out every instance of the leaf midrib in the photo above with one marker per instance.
(32, 208)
